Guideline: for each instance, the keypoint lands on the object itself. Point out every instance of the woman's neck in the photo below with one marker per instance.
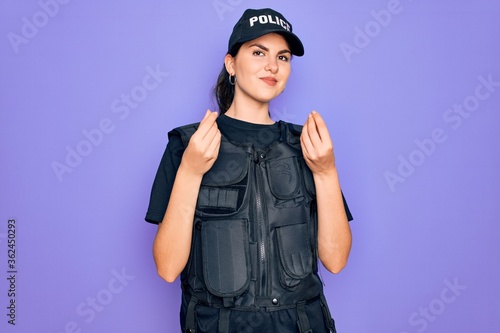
(250, 111)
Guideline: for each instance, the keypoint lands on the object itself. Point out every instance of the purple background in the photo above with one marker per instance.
(420, 176)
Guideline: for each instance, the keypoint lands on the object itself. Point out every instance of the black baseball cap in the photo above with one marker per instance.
(258, 22)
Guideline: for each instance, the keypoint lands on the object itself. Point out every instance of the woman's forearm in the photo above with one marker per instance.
(334, 233)
(172, 244)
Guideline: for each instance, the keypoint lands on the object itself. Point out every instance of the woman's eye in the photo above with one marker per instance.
(284, 58)
(258, 53)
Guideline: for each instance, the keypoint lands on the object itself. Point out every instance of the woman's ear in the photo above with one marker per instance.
(229, 63)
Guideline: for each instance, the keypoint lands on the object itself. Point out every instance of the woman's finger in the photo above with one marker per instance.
(313, 131)
(207, 123)
(305, 139)
(214, 146)
(321, 127)
(211, 135)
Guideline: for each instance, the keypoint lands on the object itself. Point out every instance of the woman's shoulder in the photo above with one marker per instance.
(294, 128)
(184, 129)
(183, 132)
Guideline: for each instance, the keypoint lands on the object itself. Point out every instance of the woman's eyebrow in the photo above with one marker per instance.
(267, 49)
(260, 47)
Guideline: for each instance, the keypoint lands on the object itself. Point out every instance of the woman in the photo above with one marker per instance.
(246, 205)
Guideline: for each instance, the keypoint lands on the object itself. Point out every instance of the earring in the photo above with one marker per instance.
(233, 81)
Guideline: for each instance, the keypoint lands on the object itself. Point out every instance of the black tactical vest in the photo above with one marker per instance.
(255, 227)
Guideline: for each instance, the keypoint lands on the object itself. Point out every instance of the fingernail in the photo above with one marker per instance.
(313, 112)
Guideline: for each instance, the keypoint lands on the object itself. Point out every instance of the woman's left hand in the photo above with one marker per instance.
(317, 146)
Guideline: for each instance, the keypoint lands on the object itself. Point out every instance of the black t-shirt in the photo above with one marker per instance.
(235, 131)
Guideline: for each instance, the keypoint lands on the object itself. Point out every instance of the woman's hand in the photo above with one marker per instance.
(317, 147)
(173, 241)
(203, 148)
(334, 233)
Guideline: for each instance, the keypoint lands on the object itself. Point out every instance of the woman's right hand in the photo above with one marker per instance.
(173, 241)
(203, 148)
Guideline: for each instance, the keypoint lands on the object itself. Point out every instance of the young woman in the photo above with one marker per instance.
(246, 205)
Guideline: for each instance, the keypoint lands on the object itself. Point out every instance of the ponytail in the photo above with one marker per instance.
(224, 90)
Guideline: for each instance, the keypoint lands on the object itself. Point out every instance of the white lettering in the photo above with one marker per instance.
(265, 19)
(271, 19)
(253, 20)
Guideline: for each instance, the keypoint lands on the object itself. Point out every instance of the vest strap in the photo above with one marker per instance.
(224, 314)
(190, 319)
(228, 302)
(330, 323)
(302, 320)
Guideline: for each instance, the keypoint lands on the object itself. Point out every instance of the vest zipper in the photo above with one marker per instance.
(262, 228)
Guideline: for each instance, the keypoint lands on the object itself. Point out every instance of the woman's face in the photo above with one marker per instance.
(261, 67)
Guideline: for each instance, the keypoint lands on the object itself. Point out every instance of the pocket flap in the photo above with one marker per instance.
(226, 264)
(229, 169)
(295, 250)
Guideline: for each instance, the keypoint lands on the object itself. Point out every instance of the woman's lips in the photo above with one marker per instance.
(269, 80)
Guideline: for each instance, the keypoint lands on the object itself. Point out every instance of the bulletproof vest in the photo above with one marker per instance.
(255, 227)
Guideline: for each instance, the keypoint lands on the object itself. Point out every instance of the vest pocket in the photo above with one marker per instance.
(285, 182)
(217, 200)
(226, 264)
(283, 177)
(294, 253)
(223, 187)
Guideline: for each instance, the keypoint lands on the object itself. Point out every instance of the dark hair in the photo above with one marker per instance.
(224, 90)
